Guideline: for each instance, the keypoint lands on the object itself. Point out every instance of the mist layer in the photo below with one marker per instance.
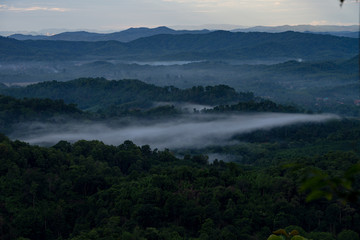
(190, 131)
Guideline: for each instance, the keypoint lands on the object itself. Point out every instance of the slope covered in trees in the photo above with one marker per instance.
(95, 93)
(14, 111)
(88, 190)
(213, 45)
(327, 86)
(20, 115)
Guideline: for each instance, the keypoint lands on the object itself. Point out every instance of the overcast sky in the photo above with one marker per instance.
(102, 15)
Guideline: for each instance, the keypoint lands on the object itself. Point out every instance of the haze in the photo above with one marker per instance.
(29, 15)
(190, 131)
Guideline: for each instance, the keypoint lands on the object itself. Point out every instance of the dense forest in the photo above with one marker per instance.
(161, 134)
(328, 86)
(120, 93)
(116, 97)
(96, 100)
(90, 190)
(14, 111)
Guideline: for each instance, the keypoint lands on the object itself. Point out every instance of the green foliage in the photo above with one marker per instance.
(320, 185)
(117, 96)
(253, 106)
(275, 237)
(321, 86)
(321, 235)
(88, 190)
(348, 235)
(109, 99)
(297, 237)
(14, 110)
(284, 234)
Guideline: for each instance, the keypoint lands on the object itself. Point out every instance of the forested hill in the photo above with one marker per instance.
(122, 36)
(95, 93)
(252, 106)
(214, 45)
(122, 104)
(37, 105)
(14, 111)
(89, 190)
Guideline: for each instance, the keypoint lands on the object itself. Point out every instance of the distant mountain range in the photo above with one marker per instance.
(341, 31)
(122, 36)
(189, 46)
(135, 33)
(300, 28)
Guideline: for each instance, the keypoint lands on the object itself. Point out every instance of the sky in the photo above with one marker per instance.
(107, 15)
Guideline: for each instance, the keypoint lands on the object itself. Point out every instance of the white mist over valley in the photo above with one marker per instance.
(189, 131)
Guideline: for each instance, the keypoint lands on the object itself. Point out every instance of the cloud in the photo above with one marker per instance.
(321, 22)
(207, 3)
(190, 131)
(32, 8)
(233, 9)
(227, 3)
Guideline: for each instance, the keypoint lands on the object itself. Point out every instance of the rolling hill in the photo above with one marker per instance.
(122, 36)
(213, 45)
(96, 93)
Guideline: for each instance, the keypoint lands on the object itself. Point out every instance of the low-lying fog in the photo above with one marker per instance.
(159, 63)
(189, 131)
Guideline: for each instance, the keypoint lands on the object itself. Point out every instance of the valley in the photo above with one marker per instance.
(164, 134)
